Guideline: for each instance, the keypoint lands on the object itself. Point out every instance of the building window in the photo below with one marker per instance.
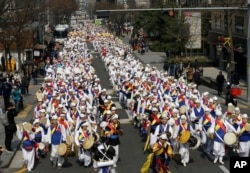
(239, 24)
(217, 21)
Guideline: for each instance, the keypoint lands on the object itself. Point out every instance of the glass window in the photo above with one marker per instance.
(217, 21)
(239, 24)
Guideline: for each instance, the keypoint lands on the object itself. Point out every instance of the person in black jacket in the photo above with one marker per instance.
(10, 126)
(5, 91)
(220, 80)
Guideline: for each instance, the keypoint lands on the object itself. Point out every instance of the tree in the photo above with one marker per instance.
(61, 10)
(168, 31)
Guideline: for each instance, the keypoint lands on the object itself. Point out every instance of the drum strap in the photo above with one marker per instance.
(207, 119)
(243, 125)
(156, 120)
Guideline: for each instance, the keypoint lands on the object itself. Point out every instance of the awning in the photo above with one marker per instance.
(40, 46)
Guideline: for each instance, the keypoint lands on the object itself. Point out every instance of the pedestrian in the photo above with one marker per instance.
(16, 96)
(5, 92)
(190, 72)
(3, 62)
(220, 80)
(165, 66)
(197, 77)
(9, 126)
(25, 84)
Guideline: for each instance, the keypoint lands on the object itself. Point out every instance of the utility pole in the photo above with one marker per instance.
(248, 53)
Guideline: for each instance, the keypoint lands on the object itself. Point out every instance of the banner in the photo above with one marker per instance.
(194, 20)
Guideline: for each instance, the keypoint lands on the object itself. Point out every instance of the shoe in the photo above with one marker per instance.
(54, 165)
(184, 163)
(9, 151)
(221, 162)
(215, 160)
(59, 167)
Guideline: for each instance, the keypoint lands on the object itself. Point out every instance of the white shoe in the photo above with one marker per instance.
(221, 162)
(215, 160)
(184, 163)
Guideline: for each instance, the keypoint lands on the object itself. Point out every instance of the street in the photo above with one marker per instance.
(132, 156)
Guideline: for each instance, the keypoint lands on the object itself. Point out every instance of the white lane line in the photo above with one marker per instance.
(125, 121)
(224, 169)
(118, 105)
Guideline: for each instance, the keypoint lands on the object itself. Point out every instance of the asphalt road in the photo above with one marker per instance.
(131, 148)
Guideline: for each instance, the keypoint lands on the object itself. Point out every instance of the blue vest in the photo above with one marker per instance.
(56, 137)
(199, 114)
(245, 136)
(38, 137)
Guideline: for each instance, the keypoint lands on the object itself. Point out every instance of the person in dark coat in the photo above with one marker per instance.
(165, 66)
(10, 126)
(197, 78)
(220, 80)
(5, 92)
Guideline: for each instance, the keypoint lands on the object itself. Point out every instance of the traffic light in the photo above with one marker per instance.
(170, 13)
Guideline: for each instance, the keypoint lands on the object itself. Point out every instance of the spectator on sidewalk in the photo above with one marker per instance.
(25, 84)
(220, 80)
(10, 126)
(197, 78)
(165, 66)
(5, 92)
(235, 78)
(16, 96)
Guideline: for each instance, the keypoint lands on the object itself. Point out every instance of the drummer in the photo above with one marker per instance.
(183, 128)
(28, 149)
(56, 135)
(104, 155)
(244, 137)
(221, 127)
(84, 156)
(205, 127)
(39, 136)
(112, 132)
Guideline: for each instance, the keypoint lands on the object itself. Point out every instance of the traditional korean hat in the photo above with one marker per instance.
(27, 126)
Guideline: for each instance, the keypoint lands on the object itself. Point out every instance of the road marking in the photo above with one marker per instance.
(125, 121)
(224, 169)
(118, 105)
(110, 92)
(25, 112)
(17, 161)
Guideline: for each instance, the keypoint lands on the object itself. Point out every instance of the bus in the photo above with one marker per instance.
(61, 33)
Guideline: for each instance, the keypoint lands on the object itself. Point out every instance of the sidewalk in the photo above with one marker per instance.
(209, 73)
(23, 116)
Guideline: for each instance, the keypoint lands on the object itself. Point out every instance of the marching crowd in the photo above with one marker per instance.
(74, 114)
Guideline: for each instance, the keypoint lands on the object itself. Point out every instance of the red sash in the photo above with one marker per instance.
(112, 128)
(221, 125)
(156, 119)
(62, 122)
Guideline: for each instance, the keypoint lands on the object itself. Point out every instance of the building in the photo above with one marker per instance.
(232, 26)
